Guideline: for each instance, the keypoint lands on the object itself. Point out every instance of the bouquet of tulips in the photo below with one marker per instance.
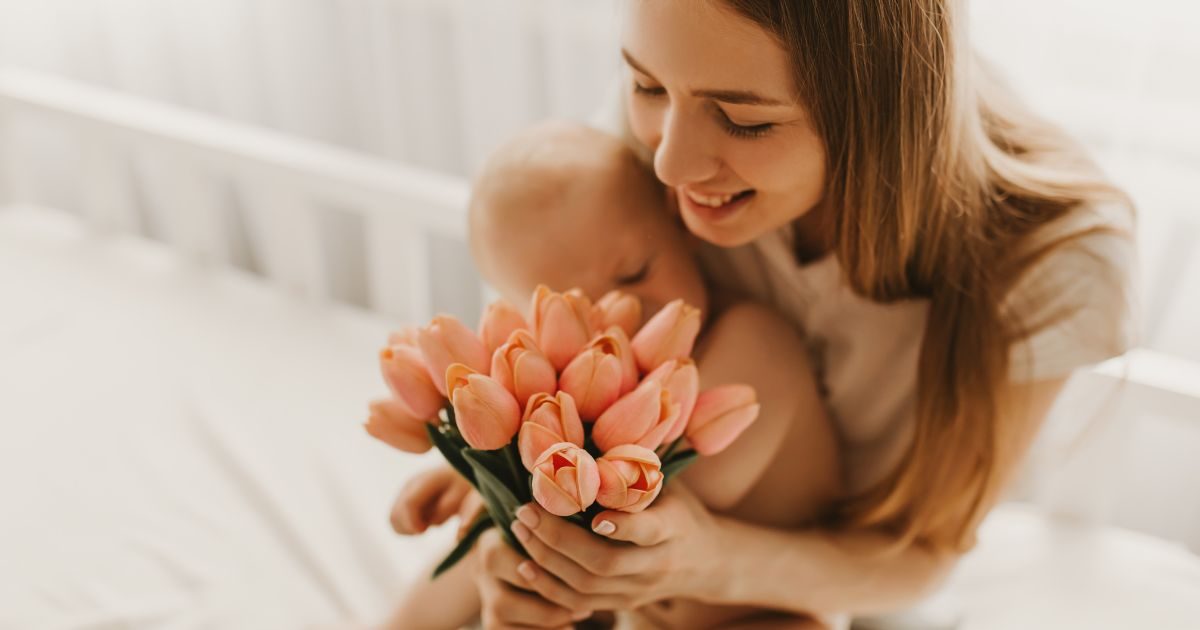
(575, 408)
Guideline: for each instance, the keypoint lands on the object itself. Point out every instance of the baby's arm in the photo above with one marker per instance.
(749, 343)
(450, 601)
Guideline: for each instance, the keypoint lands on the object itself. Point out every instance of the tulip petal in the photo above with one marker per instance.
(446, 341)
(533, 440)
(720, 416)
(550, 496)
(634, 453)
(406, 374)
(670, 334)
(561, 324)
(618, 309)
(593, 379)
(499, 321)
(486, 413)
(630, 418)
(390, 423)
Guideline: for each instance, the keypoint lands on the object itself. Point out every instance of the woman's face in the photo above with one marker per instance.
(713, 95)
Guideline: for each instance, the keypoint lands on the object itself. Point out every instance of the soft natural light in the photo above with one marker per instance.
(213, 212)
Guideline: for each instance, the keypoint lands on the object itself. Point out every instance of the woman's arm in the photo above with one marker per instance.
(680, 549)
(849, 572)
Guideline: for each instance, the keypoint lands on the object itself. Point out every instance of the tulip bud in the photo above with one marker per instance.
(561, 324)
(597, 375)
(720, 416)
(522, 369)
(670, 334)
(390, 422)
(548, 420)
(565, 479)
(618, 309)
(445, 341)
(498, 323)
(630, 478)
(486, 413)
(642, 417)
(682, 379)
(407, 376)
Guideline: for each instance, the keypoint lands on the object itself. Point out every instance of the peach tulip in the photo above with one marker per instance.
(486, 413)
(521, 367)
(630, 478)
(596, 376)
(445, 341)
(548, 420)
(390, 422)
(565, 479)
(561, 324)
(498, 323)
(720, 415)
(670, 334)
(407, 376)
(618, 309)
(642, 417)
(682, 379)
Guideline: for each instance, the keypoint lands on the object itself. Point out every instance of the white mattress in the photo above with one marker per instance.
(179, 448)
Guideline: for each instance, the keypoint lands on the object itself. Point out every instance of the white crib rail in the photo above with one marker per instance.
(198, 169)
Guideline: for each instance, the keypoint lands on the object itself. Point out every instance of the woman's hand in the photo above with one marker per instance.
(675, 551)
(505, 599)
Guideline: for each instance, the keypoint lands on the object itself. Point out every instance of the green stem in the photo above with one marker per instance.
(670, 449)
(519, 484)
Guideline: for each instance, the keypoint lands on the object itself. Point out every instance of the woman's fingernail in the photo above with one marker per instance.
(526, 571)
(581, 615)
(527, 515)
(604, 528)
(520, 531)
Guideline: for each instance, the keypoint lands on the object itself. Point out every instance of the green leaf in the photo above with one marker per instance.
(451, 451)
(482, 522)
(677, 463)
(499, 499)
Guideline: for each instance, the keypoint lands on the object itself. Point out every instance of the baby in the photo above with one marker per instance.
(568, 206)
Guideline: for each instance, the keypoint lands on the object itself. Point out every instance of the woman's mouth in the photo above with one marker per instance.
(714, 208)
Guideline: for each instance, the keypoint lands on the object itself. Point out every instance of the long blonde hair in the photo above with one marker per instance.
(936, 174)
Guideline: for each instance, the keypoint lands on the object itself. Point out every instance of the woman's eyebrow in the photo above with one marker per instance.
(733, 97)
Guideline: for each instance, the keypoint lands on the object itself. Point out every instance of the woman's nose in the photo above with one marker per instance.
(683, 156)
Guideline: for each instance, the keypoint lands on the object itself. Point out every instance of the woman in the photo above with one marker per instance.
(949, 257)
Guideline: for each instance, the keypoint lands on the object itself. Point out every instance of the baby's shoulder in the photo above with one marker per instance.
(747, 317)
(749, 342)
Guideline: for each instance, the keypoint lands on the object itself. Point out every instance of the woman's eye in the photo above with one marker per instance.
(742, 131)
(635, 278)
(638, 88)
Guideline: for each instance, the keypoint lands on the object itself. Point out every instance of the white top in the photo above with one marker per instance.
(865, 353)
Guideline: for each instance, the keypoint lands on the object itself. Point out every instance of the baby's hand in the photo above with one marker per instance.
(431, 498)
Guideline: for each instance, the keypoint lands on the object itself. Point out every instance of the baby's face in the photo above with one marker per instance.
(608, 238)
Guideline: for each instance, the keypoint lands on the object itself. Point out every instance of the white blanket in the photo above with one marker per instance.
(179, 448)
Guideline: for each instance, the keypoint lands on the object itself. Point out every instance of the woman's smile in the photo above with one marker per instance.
(714, 209)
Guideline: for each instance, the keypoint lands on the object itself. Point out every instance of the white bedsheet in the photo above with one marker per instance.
(180, 449)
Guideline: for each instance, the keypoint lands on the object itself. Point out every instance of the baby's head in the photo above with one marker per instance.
(568, 206)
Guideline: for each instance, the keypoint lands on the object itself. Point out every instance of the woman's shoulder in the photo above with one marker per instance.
(1074, 305)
